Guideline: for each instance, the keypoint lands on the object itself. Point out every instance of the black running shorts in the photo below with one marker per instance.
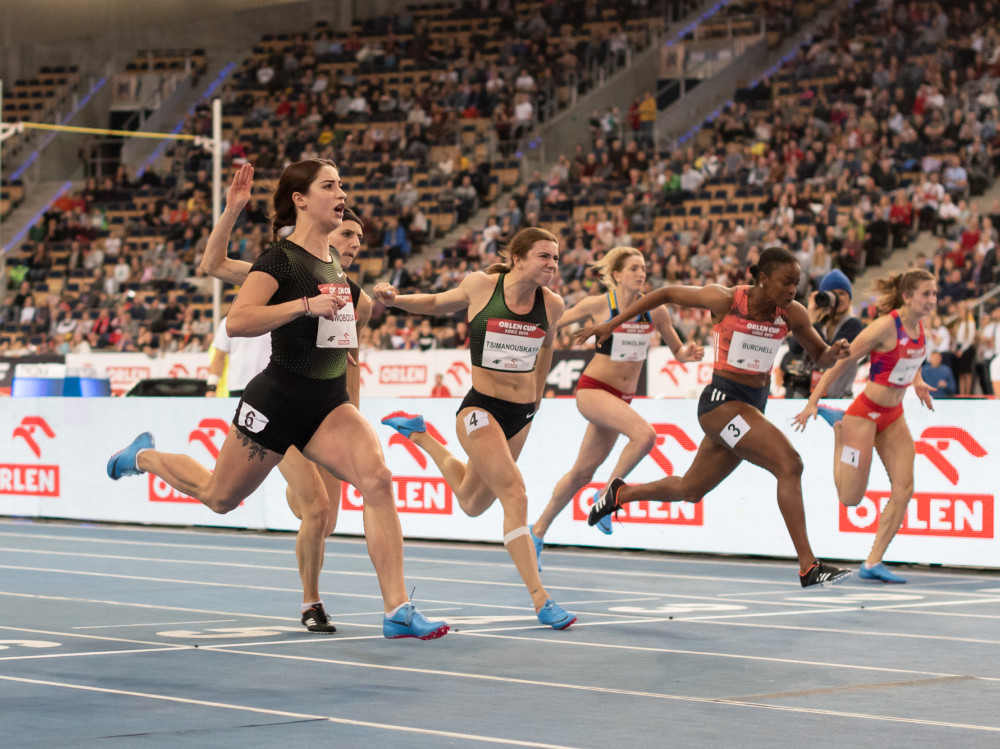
(512, 417)
(279, 408)
(723, 390)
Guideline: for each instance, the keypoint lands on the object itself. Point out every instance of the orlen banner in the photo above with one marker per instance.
(668, 378)
(410, 374)
(124, 370)
(53, 464)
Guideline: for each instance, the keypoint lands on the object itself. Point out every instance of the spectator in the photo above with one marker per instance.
(938, 375)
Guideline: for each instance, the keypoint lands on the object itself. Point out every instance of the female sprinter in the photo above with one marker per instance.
(313, 493)
(750, 324)
(897, 345)
(512, 327)
(607, 385)
(301, 398)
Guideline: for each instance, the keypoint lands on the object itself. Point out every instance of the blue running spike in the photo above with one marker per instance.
(555, 616)
(404, 423)
(122, 463)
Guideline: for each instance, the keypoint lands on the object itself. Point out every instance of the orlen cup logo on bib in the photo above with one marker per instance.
(934, 513)
(427, 495)
(660, 513)
(29, 479)
(210, 434)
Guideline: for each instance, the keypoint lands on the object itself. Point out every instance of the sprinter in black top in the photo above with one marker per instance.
(301, 398)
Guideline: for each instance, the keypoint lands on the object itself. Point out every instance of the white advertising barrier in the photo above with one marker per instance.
(55, 452)
(124, 370)
(410, 374)
(668, 378)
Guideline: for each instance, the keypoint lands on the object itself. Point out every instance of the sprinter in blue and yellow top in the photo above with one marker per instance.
(607, 385)
(512, 323)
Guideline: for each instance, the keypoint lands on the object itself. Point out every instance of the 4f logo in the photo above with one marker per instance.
(29, 428)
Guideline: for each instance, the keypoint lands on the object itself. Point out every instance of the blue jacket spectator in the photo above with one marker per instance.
(939, 376)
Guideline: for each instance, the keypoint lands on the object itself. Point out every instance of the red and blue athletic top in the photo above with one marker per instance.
(898, 367)
(748, 346)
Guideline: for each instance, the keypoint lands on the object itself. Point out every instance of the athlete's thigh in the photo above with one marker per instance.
(301, 474)
(595, 446)
(241, 467)
(347, 446)
(896, 449)
(857, 439)
(606, 411)
(711, 466)
(491, 459)
(305, 479)
(749, 435)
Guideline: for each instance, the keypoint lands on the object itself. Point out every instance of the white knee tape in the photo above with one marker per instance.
(522, 531)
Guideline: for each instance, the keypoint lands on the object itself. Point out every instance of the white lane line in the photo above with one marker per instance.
(655, 557)
(155, 624)
(185, 609)
(287, 714)
(653, 695)
(94, 652)
(479, 582)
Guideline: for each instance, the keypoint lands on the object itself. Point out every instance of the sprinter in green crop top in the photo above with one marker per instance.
(513, 316)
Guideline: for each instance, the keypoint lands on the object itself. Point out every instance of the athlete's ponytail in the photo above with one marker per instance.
(891, 290)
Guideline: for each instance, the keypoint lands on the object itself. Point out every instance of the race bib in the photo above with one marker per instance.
(630, 341)
(342, 330)
(511, 345)
(251, 419)
(905, 370)
(753, 353)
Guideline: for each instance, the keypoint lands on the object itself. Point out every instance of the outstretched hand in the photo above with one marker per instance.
(238, 194)
(923, 391)
(601, 332)
(690, 352)
(384, 292)
(800, 421)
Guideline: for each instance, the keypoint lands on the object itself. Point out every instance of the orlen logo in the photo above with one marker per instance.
(662, 513)
(363, 368)
(671, 368)
(402, 374)
(458, 371)
(178, 370)
(419, 494)
(933, 513)
(27, 479)
(210, 434)
(122, 378)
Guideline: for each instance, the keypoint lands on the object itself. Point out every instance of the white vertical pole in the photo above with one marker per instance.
(216, 198)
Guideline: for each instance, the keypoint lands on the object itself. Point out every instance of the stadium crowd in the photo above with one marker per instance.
(881, 129)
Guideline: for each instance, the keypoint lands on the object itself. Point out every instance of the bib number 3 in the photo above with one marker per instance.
(734, 431)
